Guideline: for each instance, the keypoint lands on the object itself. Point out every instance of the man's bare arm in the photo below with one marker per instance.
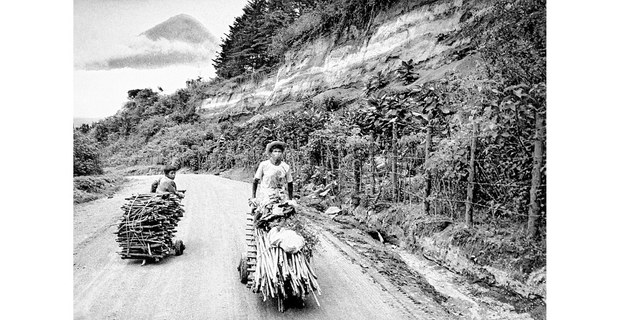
(254, 187)
(289, 187)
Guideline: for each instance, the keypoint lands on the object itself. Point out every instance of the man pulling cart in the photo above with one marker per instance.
(277, 261)
(147, 227)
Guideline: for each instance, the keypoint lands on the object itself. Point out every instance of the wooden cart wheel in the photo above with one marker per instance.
(243, 269)
(178, 247)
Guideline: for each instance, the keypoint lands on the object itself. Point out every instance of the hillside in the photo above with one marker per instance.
(423, 121)
(421, 31)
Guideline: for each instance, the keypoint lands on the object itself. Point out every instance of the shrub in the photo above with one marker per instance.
(85, 156)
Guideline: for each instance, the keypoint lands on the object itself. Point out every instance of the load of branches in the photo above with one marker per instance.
(147, 226)
(284, 249)
(280, 274)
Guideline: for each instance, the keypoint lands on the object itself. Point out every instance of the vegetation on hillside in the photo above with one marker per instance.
(267, 29)
(86, 159)
(464, 148)
(89, 180)
(88, 188)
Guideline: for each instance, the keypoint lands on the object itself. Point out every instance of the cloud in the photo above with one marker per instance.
(143, 53)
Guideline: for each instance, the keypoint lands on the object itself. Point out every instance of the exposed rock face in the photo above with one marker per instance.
(402, 34)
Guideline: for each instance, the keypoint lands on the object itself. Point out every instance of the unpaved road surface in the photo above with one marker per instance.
(203, 282)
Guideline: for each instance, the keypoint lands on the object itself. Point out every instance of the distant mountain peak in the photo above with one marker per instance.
(181, 27)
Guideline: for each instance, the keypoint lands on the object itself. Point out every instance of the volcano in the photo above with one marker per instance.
(183, 28)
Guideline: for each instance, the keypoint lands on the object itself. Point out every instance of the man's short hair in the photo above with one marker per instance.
(169, 168)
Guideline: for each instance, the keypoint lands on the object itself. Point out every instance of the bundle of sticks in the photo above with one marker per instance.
(147, 226)
(279, 274)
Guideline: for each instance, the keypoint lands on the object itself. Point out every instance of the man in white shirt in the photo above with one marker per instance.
(273, 174)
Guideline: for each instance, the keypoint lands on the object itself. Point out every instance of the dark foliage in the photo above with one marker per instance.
(86, 159)
(246, 46)
(267, 29)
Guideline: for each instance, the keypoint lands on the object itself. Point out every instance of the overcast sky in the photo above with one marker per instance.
(109, 29)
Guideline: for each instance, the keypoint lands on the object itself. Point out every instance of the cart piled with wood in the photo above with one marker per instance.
(277, 263)
(147, 226)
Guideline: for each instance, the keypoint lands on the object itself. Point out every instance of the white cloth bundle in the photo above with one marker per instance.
(286, 239)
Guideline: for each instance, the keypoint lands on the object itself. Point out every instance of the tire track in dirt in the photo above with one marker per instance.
(203, 282)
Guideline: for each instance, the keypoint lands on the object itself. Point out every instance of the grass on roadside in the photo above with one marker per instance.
(138, 170)
(88, 188)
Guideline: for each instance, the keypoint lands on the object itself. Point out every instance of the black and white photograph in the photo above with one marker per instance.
(309, 159)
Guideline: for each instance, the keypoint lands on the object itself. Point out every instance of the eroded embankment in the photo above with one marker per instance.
(415, 32)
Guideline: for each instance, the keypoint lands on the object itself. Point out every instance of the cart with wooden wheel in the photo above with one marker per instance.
(147, 227)
(247, 263)
(272, 271)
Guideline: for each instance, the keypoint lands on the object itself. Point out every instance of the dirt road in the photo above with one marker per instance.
(203, 282)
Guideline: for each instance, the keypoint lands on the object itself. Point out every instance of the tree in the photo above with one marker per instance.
(246, 48)
(86, 159)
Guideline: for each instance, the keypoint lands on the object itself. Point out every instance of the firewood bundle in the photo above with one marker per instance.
(279, 274)
(147, 226)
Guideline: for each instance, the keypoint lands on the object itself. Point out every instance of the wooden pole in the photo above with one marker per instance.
(331, 160)
(291, 154)
(394, 164)
(410, 169)
(427, 174)
(372, 162)
(469, 216)
(533, 218)
(321, 156)
(357, 170)
(340, 168)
